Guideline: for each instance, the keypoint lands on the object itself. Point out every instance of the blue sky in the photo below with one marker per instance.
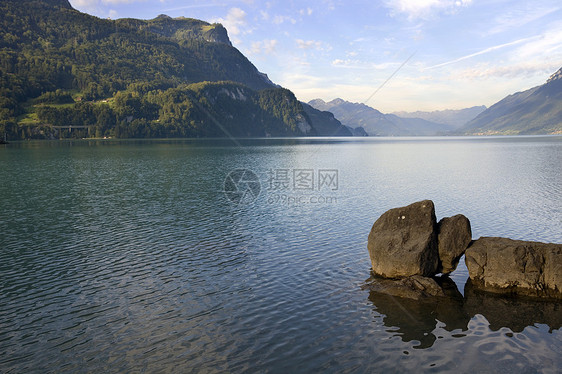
(411, 54)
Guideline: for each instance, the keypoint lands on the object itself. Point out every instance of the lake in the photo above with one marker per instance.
(250, 255)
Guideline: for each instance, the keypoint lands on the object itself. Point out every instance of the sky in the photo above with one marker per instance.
(393, 55)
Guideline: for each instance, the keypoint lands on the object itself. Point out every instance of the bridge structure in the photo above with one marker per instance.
(70, 127)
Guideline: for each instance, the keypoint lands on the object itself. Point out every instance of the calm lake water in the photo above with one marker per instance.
(128, 256)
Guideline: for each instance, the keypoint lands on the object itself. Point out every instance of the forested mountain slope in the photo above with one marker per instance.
(132, 78)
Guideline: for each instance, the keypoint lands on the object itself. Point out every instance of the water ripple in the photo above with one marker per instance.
(128, 258)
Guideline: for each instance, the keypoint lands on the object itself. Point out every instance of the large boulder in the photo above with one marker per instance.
(504, 265)
(453, 239)
(403, 242)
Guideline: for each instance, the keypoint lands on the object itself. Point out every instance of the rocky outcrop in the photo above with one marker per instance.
(357, 131)
(556, 76)
(182, 29)
(453, 239)
(504, 265)
(403, 242)
(415, 287)
(406, 244)
(324, 123)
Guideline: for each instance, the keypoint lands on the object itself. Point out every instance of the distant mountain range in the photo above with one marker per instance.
(455, 119)
(535, 111)
(375, 123)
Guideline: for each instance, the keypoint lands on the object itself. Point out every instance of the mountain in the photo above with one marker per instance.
(135, 78)
(535, 111)
(418, 126)
(375, 123)
(325, 124)
(358, 131)
(356, 115)
(453, 118)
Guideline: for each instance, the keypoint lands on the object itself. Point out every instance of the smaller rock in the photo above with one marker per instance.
(415, 287)
(452, 240)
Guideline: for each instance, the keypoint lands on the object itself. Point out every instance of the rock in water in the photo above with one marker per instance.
(403, 242)
(415, 287)
(453, 239)
(504, 265)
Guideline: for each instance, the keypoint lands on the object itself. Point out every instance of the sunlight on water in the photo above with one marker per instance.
(128, 256)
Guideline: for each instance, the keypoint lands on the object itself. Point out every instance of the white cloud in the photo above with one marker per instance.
(357, 64)
(99, 7)
(312, 44)
(523, 58)
(193, 6)
(484, 51)
(235, 23)
(515, 18)
(114, 2)
(85, 4)
(281, 19)
(425, 9)
(509, 71)
(408, 91)
(95, 3)
(264, 46)
(546, 46)
(307, 12)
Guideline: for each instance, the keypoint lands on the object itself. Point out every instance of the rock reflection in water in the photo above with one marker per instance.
(516, 313)
(415, 320)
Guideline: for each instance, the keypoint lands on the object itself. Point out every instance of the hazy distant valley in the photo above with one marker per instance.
(375, 123)
(534, 111)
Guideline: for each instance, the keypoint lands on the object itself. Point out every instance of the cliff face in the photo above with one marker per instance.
(183, 29)
(324, 123)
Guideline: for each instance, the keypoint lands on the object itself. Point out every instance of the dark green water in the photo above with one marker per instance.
(130, 257)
